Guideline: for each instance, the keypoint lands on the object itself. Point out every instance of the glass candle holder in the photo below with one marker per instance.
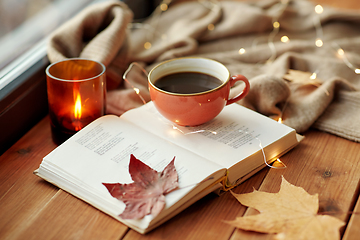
(76, 91)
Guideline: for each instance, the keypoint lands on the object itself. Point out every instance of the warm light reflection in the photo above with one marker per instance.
(242, 50)
(280, 120)
(137, 90)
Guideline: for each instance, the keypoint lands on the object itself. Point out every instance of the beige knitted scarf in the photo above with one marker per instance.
(218, 30)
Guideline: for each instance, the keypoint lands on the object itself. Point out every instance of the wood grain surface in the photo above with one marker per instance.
(31, 208)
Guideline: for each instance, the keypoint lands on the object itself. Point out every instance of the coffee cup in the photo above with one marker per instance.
(191, 91)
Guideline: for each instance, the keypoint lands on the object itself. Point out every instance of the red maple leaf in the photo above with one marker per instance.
(146, 194)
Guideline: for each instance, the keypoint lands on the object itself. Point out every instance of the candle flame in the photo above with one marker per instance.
(77, 108)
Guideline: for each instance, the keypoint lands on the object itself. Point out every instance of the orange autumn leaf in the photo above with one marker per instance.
(291, 213)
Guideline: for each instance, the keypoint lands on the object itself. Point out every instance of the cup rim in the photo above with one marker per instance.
(189, 94)
(75, 59)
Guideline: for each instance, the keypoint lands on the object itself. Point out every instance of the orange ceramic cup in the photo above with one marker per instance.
(192, 109)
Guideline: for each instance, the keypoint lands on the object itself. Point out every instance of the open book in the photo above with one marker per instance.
(231, 146)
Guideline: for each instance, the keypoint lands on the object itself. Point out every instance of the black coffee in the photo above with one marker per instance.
(187, 82)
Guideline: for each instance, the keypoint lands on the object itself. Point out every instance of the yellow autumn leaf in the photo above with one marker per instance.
(301, 77)
(291, 213)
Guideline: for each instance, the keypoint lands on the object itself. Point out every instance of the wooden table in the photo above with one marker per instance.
(31, 208)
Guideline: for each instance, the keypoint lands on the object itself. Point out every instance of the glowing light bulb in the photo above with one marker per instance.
(357, 71)
(285, 39)
(147, 45)
(278, 164)
(163, 7)
(340, 52)
(319, 9)
(242, 50)
(276, 24)
(319, 42)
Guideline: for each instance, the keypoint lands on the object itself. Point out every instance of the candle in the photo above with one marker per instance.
(76, 95)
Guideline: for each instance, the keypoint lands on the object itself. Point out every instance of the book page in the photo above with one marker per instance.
(235, 134)
(100, 153)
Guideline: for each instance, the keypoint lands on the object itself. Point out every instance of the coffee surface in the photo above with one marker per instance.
(187, 82)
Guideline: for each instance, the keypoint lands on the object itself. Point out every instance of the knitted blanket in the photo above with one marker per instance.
(303, 65)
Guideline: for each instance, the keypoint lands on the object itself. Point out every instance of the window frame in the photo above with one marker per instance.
(23, 98)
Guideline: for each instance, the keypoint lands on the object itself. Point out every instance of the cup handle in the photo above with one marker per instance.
(246, 90)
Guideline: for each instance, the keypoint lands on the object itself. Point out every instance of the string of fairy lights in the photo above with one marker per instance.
(271, 39)
(282, 5)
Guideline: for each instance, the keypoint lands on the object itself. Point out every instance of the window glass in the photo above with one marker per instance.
(23, 23)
